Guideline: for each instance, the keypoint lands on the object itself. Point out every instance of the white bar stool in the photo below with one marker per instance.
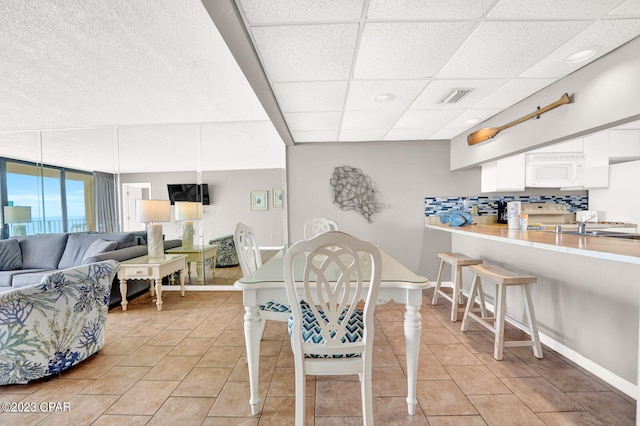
(503, 278)
(457, 262)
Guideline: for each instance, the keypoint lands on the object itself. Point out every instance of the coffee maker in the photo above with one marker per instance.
(502, 211)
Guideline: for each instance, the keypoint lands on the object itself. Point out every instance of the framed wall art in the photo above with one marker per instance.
(259, 200)
(276, 199)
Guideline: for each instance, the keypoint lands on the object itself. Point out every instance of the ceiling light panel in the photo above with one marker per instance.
(311, 96)
(513, 92)
(306, 52)
(506, 49)
(369, 119)
(433, 94)
(427, 9)
(408, 50)
(602, 36)
(306, 121)
(552, 9)
(286, 11)
(362, 92)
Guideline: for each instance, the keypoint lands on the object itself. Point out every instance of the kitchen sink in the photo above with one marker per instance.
(601, 233)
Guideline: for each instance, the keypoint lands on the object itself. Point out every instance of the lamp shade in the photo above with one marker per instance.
(188, 210)
(17, 214)
(153, 211)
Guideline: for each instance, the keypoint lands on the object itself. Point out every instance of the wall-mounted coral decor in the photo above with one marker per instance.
(353, 190)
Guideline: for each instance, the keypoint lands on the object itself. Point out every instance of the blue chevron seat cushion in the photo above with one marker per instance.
(311, 330)
(272, 306)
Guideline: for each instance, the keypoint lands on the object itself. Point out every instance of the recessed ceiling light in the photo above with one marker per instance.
(472, 121)
(580, 56)
(383, 97)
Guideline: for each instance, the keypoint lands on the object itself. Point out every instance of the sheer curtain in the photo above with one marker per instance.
(106, 202)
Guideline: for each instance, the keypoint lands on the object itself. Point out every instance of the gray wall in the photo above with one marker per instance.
(230, 201)
(403, 173)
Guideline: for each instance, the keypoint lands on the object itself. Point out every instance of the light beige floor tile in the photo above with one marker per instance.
(504, 410)
(394, 411)
(192, 346)
(146, 356)
(116, 381)
(567, 378)
(456, 421)
(121, 420)
(144, 398)
(579, 418)
(509, 366)
(338, 421)
(338, 398)
(203, 382)
(59, 390)
(540, 395)
(93, 367)
(84, 409)
(476, 380)
(123, 346)
(280, 411)
(439, 336)
(231, 421)
(392, 328)
(383, 356)
(172, 368)
(607, 406)
(182, 411)
(443, 397)
(389, 381)
(234, 400)
(207, 329)
(169, 337)
(456, 354)
(230, 338)
(221, 356)
(429, 368)
(266, 366)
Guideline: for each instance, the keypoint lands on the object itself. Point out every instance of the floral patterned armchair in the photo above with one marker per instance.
(49, 327)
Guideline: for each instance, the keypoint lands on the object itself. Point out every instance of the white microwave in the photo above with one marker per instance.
(554, 170)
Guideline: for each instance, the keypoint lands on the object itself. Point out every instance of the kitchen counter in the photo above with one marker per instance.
(601, 247)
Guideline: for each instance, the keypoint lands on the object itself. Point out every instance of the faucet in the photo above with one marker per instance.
(582, 226)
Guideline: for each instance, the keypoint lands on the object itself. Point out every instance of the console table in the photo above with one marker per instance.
(147, 268)
(198, 254)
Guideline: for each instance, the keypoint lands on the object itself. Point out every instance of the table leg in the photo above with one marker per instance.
(158, 284)
(189, 271)
(252, 340)
(412, 332)
(123, 294)
(199, 271)
(181, 278)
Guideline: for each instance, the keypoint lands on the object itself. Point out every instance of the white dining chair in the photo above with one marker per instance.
(329, 334)
(317, 226)
(250, 260)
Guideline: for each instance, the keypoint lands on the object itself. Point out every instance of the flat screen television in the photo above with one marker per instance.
(189, 192)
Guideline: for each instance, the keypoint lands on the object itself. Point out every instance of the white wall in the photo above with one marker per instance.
(230, 202)
(403, 173)
(604, 93)
(621, 201)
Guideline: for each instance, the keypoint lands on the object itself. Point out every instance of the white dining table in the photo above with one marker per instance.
(397, 284)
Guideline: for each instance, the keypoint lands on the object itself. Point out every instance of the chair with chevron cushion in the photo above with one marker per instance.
(333, 272)
(250, 260)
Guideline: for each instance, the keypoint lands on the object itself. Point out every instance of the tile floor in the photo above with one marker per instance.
(186, 366)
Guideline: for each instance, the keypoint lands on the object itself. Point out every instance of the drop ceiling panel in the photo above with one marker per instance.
(429, 119)
(302, 121)
(553, 9)
(407, 134)
(369, 119)
(628, 8)
(512, 93)
(361, 135)
(602, 36)
(412, 50)
(436, 91)
(307, 52)
(428, 9)
(472, 114)
(506, 49)
(282, 11)
(362, 93)
(311, 96)
(315, 136)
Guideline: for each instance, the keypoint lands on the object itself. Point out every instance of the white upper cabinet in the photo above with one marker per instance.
(506, 174)
(624, 145)
(596, 160)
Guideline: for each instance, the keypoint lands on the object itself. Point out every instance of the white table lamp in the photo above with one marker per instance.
(150, 212)
(187, 211)
(17, 216)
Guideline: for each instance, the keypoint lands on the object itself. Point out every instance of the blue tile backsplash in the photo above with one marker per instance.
(487, 205)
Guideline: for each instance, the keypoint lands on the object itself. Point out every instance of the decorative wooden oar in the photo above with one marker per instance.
(489, 132)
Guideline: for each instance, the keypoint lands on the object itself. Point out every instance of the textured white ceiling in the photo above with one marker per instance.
(327, 60)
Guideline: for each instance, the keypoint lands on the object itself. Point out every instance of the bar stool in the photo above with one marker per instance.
(502, 278)
(457, 261)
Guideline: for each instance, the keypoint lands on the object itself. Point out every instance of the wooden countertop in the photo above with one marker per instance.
(601, 247)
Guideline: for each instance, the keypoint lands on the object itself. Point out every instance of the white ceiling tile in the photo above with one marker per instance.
(433, 94)
(362, 92)
(311, 96)
(315, 136)
(444, 134)
(408, 50)
(479, 114)
(628, 8)
(307, 52)
(407, 134)
(553, 9)
(305, 121)
(361, 135)
(427, 9)
(428, 119)
(506, 49)
(513, 92)
(369, 119)
(603, 36)
(286, 11)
